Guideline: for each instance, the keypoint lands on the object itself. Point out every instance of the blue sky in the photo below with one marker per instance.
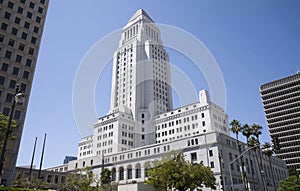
(253, 42)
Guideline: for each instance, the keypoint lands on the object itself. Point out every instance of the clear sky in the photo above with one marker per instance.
(253, 42)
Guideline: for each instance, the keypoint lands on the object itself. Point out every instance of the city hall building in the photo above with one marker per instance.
(142, 125)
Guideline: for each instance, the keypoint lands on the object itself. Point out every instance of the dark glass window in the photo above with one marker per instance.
(1, 38)
(23, 1)
(31, 5)
(17, 20)
(33, 40)
(20, 10)
(38, 19)
(2, 80)
(8, 54)
(29, 14)
(7, 15)
(23, 87)
(16, 71)
(9, 97)
(11, 42)
(21, 46)
(4, 26)
(4, 67)
(31, 51)
(26, 25)
(19, 59)
(24, 36)
(14, 31)
(10, 5)
(12, 84)
(6, 111)
(28, 62)
(36, 29)
(40, 10)
(43, 1)
(26, 74)
(17, 114)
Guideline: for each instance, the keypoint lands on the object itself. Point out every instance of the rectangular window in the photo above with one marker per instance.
(1, 38)
(6, 111)
(4, 67)
(38, 19)
(31, 5)
(2, 80)
(26, 25)
(33, 40)
(8, 54)
(20, 10)
(12, 84)
(11, 42)
(4, 26)
(7, 15)
(14, 31)
(212, 164)
(36, 29)
(21, 46)
(24, 35)
(15, 71)
(193, 157)
(17, 20)
(10, 5)
(40, 10)
(28, 62)
(19, 58)
(210, 153)
(203, 123)
(9, 97)
(17, 114)
(29, 15)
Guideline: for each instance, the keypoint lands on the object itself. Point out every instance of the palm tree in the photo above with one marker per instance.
(256, 132)
(236, 127)
(247, 132)
(267, 150)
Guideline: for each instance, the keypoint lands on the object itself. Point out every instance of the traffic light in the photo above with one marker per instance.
(276, 144)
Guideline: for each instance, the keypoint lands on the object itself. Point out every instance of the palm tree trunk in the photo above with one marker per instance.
(244, 177)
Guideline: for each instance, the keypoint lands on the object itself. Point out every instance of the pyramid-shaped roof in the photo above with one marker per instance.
(140, 12)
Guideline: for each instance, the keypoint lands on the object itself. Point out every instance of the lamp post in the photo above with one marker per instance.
(19, 98)
(231, 180)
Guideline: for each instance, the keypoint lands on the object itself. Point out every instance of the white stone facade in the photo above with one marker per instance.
(142, 126)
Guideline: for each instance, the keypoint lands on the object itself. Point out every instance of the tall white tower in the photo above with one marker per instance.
(141, 83)
(141, 70)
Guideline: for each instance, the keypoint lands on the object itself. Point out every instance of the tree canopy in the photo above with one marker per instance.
(3, 126)
(291, 183)
(174, 172)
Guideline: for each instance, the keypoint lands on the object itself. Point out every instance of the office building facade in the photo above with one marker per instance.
(21, 28)
(281, 101)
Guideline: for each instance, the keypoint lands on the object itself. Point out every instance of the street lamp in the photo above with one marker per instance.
(19, 98)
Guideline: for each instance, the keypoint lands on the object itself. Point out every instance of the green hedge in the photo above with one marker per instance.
(2, 188)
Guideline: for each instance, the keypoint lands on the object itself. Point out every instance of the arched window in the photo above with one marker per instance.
(129, 172)
(113, 174)
(137, 171)
(121, 173)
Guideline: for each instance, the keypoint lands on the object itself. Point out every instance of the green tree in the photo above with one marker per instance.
(291, 183)
(293, 172)
(80, 181)
(105, 176)
(3, 126)
(236, 128)
(173, 172)
(106, 181)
